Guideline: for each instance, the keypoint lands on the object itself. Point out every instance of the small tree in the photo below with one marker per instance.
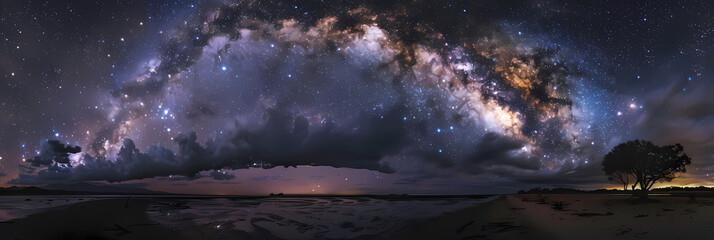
(645, 163)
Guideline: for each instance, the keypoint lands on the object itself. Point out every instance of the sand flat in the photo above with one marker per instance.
(617, 216)
(525, 216)
(586, 216)
(493, 220)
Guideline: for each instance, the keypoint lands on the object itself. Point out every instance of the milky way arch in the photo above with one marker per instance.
(355, 87)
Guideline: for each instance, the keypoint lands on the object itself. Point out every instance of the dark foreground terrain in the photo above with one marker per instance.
(208, 217)
(531, 216)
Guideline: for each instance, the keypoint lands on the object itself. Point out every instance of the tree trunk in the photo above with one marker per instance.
(644, 188)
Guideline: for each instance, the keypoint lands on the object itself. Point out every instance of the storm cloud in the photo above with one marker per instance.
(283, 140)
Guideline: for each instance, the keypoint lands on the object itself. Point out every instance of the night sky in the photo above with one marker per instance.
(440, 97)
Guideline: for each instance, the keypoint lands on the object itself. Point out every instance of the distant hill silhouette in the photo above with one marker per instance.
(77, 189)
(99, 188)
(14, 190)
(539, 190)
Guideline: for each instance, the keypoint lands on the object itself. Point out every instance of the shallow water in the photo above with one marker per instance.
(284, 217)
(305, 218)
(15, 207)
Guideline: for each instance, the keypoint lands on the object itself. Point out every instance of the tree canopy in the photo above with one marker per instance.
(642, 163)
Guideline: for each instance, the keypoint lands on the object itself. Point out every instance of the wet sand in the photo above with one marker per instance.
(508, 217)
(100, 219)
(573, 217)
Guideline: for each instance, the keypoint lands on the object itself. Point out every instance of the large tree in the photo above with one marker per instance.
(645, 163)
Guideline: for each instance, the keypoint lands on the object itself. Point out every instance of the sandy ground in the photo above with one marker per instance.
(508, 217)
(579, 217)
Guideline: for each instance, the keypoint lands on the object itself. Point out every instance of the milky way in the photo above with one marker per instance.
(419, 94)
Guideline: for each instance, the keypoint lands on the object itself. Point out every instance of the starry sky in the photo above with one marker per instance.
(349, 97)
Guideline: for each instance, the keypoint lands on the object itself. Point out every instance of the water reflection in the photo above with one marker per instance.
(304, 218)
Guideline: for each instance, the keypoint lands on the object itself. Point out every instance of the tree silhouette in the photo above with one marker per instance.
(645, 163)
(622, 177)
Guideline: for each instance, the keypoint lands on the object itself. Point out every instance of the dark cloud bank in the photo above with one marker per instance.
(283, 140)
